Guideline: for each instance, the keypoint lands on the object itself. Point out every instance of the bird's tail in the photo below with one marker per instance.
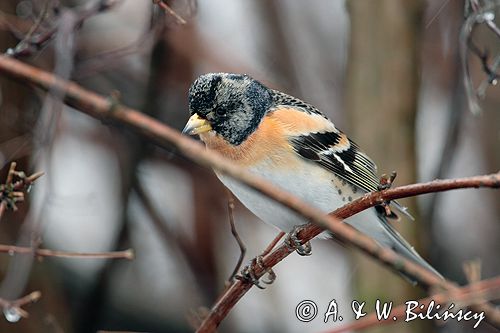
(402, 247)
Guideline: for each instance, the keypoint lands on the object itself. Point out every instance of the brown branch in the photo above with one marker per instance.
(13, 309)
(29, 44)
(11, 249)
(108, 110)
(13, 191)
(166, 8)
(39, 20)
(465, 295)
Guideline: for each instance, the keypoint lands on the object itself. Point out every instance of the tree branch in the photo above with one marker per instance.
(11, 249)
(13, 309)
(109, 110)
(13, 191)
(29, 44)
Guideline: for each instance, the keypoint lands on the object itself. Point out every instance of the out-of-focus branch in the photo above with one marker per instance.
(12, 249)
(111, 111)
(33, 41)
(16, 184)
(163, 5)
(13, 309)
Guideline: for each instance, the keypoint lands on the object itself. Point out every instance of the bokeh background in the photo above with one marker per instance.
(388, 72)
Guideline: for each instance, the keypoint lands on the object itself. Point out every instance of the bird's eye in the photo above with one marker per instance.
(220, 111)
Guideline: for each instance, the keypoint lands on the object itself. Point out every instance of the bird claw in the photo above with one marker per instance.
(384, 184)
(248, 273)
(386, 181)
(294, 243)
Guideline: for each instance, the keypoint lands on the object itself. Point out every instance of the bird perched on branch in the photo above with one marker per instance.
(293, 145)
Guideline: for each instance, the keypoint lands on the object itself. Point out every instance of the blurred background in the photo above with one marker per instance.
(387, 72)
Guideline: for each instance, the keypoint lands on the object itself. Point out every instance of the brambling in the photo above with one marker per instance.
(294, 146)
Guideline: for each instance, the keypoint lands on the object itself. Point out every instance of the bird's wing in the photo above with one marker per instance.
(331, 149)
(334, 151)
(328, 146)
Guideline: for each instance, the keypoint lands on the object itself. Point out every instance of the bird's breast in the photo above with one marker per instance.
(268, 142)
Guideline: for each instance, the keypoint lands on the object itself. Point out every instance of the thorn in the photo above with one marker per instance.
(129, 254)
(35, 176)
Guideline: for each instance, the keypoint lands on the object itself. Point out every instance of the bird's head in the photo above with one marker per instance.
(230, 105)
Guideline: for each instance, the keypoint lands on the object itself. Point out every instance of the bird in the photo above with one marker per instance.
(291, 144)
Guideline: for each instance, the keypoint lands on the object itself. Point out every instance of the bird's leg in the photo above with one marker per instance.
(248, 273)
(384, 184)
(269, 271)
(294, 243)
(386, 181)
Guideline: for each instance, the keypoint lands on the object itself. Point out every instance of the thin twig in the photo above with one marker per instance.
(101, 108)
(169, 10)
(29, 44)
(12, 249)
(110, 58)
(15, 307)
(41, 17)
(13, 191)
(434, 17)
(234, 232)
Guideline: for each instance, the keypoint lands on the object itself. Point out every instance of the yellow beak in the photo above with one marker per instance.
(196, 125)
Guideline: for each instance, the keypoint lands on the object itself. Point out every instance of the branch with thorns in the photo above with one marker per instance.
(15, 187)
(13, 310)
(164, 136)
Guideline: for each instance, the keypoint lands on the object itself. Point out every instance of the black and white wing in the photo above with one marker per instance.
(334, 151)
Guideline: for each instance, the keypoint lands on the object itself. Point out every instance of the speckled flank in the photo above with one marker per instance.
(346, 193)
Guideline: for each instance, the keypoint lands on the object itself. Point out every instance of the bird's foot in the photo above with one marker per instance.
(386, 181)
(294, 243)
(248, 273)
(384, 184)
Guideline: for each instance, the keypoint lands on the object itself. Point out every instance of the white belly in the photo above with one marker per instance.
(314, 185)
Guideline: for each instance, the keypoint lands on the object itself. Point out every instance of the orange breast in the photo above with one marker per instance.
(269, 143)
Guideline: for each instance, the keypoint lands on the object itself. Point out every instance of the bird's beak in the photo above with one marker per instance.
(196, 125)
